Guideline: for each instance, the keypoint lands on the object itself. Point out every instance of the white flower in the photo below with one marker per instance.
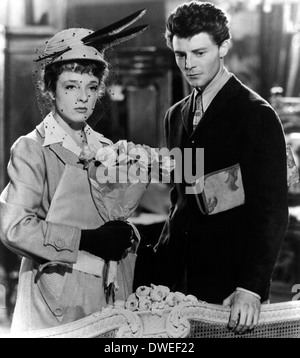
(139, 154)
(171, 299)
(158, 293)
(132, 302)
(88, 152)
(144, 304)
(167, 164)
(142, 291)
(179, 296)
(107, 156)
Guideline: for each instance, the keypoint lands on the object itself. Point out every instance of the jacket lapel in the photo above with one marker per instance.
(66, 156)
(186, 112)
(229, 91)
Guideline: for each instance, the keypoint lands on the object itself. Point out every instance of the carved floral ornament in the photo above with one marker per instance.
(157, 312)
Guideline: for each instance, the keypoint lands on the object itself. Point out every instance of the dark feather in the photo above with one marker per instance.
(53, 55)
(115, 27)
(111, 40)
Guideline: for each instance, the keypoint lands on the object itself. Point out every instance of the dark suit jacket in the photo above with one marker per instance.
(214, 254)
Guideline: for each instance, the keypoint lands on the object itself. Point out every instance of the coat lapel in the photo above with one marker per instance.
(186, 114)
(66, 156)
(229, 91)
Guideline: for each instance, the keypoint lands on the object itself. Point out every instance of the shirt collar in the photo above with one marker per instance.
(54, 133)
(213, 88)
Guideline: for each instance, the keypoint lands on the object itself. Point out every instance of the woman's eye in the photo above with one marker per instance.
(70, 87)
(94, 88)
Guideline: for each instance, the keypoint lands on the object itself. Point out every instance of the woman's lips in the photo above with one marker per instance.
(81, 109)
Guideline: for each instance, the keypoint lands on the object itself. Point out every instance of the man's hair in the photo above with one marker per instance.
(190, 19)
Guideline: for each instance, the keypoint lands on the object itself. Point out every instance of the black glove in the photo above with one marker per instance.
(108, 241)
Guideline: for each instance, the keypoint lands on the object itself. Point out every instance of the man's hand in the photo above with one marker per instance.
(245, 309)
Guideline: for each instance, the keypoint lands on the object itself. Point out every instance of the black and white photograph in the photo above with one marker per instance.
(150, 171)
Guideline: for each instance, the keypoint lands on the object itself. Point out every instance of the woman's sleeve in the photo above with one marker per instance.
(22, 229)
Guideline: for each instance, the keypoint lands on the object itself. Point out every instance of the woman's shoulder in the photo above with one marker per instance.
(28, 141)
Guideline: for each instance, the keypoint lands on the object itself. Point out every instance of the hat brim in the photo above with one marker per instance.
(81, 53)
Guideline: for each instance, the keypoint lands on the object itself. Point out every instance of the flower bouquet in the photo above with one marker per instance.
(119, 175)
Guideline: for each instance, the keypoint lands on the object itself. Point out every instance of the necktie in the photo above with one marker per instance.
(199, 110)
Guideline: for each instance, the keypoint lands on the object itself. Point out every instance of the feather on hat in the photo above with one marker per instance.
(80, 43)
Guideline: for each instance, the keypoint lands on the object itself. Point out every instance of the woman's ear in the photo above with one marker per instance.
(223, 49)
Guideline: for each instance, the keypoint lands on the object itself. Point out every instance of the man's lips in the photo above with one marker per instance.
(192, 75)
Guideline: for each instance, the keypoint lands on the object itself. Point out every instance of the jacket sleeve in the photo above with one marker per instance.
(264, 172)
(173, 193)
(23, 228)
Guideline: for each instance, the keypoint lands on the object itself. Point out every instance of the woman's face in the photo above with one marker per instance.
(75, 97)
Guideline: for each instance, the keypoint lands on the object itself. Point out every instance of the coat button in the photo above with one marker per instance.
(59, 243)
(193, 142)
(58, 312)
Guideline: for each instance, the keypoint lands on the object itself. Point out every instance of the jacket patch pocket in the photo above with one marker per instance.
(54, 277)
(51, 280)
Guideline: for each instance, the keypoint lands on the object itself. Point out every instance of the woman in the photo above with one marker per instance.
(63, 248)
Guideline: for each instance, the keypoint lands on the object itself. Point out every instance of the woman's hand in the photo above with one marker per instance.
(109, 241)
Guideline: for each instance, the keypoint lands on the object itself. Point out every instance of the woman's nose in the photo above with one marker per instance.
(82, 95)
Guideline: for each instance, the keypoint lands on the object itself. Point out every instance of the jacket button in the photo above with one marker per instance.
(58, 312)
(59, 243)
(193, 142)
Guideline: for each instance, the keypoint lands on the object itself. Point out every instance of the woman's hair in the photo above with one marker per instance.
(53, 71)
(189, 19)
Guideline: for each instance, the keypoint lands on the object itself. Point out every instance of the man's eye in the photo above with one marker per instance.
(179, 55)
(94, 88)
(201, 53)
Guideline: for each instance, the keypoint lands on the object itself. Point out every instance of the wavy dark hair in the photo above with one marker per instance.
(189, 19)
(52, 72)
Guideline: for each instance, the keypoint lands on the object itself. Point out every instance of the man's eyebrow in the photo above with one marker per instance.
(200, 49)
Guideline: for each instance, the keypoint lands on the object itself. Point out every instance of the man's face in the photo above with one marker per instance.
(198, 58)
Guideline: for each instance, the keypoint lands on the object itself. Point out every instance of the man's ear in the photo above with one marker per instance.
(224, 48)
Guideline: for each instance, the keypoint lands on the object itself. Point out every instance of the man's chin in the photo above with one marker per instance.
(195, 83)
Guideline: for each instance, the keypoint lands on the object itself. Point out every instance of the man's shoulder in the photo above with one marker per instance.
(178, 106)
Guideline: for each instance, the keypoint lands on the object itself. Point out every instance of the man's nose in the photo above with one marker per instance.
(189, 62)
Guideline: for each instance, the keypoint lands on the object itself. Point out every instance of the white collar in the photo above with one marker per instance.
(213, 87)
(54, 133)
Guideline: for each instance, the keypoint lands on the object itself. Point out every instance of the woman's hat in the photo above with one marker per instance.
(80, 43)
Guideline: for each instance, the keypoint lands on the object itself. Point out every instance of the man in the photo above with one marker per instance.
(224, 256)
